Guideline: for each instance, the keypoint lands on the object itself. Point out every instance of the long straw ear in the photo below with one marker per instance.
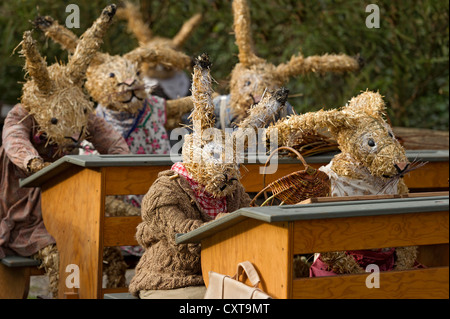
(203, 114)
(186, 30)
(243, 34)
(58, 33)
(136, 24)
(160, 55)
(35, 65)
(308, 124)
(371, 103)
(298, 65)
(89, 44)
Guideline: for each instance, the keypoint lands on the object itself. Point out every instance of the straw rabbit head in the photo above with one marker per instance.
(365, 135)
(253, 75)
(144, 35)
(53, 95)
(365, 138)
(116, 81)
(210, 155)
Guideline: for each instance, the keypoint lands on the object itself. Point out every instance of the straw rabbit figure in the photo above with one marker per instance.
(54, 117)
(371, 162)
(116, 83)
(163, 79)
(201, 188)
(253, 75)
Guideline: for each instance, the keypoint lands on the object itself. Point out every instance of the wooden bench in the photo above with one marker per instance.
(270, 237)
(81, 182)
(15, 273)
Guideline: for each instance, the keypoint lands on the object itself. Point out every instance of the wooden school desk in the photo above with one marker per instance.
(74, 190)
(270, 237)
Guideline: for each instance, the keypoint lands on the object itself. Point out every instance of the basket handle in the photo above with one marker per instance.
(264, 190)
(300, 157)
(257, 195)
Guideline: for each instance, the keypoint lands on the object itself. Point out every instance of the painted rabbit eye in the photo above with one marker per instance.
(371, 142)
(138, 73)
(390, 134)
(111, 75)
(247, 83)
(54, 120)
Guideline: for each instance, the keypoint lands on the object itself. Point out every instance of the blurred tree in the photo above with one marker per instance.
(407, 58)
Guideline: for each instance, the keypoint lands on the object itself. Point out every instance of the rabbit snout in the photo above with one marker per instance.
(388, 161)
(256, 98)
(224, 181)
(401, 167)
(129, 89)
(129, 82)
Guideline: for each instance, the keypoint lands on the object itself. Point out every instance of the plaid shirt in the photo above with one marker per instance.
(210, 205)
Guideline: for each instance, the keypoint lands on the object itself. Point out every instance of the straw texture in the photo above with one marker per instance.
(60, 34)
(112, 80)
(297, 186)
(54, 95)
(211, 155)
(253, 75)
(370, 157)
(144, 35)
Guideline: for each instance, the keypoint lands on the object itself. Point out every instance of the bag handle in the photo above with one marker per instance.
(251, 272)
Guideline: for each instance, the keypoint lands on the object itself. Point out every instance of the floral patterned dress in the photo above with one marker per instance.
(145, 132)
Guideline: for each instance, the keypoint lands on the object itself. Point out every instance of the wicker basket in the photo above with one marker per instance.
(297, 186)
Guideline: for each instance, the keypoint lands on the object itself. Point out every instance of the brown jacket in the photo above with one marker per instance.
(168, 208)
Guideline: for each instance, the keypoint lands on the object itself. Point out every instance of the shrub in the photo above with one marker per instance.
(407, 58)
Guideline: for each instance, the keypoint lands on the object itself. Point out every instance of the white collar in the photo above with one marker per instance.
(369, 185)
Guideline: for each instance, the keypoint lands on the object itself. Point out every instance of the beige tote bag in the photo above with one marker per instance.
(226, 287)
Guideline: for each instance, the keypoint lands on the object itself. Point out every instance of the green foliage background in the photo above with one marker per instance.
(407, 58)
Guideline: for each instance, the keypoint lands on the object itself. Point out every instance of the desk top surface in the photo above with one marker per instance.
(96, 161)
(324, 210)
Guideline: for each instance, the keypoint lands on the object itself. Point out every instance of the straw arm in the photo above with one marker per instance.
(175, 109)
(263, 112)
(259, 115)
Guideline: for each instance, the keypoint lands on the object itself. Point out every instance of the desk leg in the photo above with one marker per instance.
(73, 212)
